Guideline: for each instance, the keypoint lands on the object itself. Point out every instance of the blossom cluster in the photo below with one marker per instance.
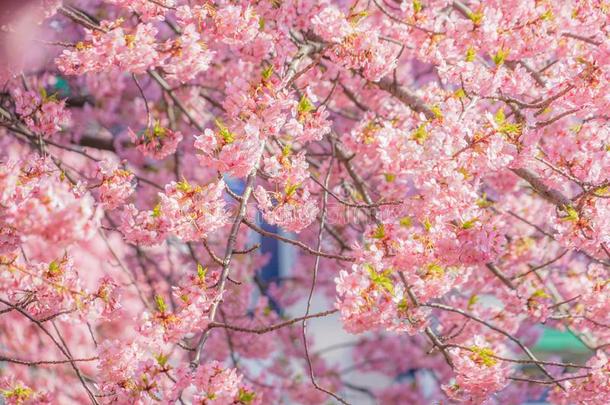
(433, 172)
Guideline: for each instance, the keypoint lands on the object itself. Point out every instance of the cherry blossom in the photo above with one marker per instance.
(157, 142)
(190, 189)
(43, 114)
(193, 211)
(116, 185)
(478, 373)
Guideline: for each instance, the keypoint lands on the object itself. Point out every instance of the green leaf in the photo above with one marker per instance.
(305, 106)
(470, 223)
(355, 18)
(158, 130)
(602, 191)
(575, 128)
(368, 267)
(46, 97)
(511, 128)
(540, 293)
(438, 113)
(500, 57)
(420, 134)
(183, 186)
(435, 271)
(162, 359)
(470, 54)
(290, 189)
(403, 305)
(246, 397)
(476, 18)
(499, 117)
(19, 394)
(201, 272)
(379, 232)
(417, 6)
(267, 72)
(483, 202)
(547, 15)
(161, 305)
(472, 300)
(156, 212)
(286, 150)
(54, 268)
(572, 214)
(407, 222)
(227, 136)
(460, 93)
(505, 127)
(483, 355)
(382, 279)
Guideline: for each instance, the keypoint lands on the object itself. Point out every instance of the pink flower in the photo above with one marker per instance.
(193, 14)
(128, 374)
(331, 25)
(143, 227)
(147, 10)
(9, 238)
(236, 25)
(364, 50)
(229, 152)
(54, 286)
(15, 392)
(189, 57)
(369, 300)
(194, 298)
(43, 114)
(593, 389)
(116, 184)
(293, 210)
(37, 201)
(107, 298)
(212, 383)
(287, 167)
(133, 50)
(478, 374)
(158, 142)
(465, 146)
(478, 245)
(307, 126)
(193, 212)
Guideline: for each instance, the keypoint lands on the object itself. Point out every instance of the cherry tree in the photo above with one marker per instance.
(439, 168)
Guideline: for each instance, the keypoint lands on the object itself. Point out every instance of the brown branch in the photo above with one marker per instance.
(297, 243)
(406, 96)
(314, 279)
(549, 194)
(588, 40)
(271, 328)
(496, 329)
(536, 268)
(59, 346)
(348, 204)
(226, 263)
(523, 361)
(551, 381)
(498, 273)
(42, 362)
